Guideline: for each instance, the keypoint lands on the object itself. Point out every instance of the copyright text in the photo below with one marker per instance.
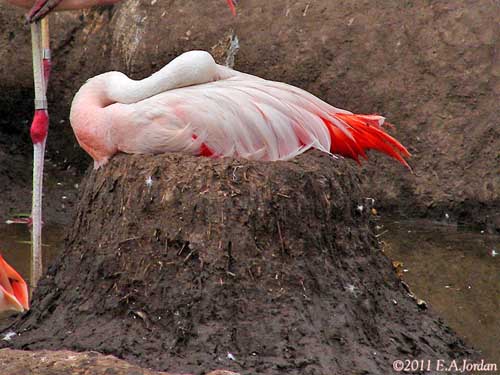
(441, 365)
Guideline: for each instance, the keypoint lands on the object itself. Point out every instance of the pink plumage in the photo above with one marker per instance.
(196, 106)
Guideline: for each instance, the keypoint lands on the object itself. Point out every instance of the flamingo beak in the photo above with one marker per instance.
(13, 289)
(40, 9)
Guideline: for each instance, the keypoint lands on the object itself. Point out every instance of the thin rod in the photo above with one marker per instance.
(38, 156)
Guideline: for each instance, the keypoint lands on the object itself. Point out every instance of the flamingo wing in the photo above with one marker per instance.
(249, 118)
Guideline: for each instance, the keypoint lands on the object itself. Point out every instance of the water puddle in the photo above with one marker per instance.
(456, 271)
(15, 247)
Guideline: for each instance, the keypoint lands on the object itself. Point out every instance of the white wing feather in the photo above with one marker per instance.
(237, 117)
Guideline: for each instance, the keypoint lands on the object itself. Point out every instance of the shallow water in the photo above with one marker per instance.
(15, 246)
(456, 272)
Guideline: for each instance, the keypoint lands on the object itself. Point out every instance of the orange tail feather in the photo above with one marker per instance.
(342, 144)
(13, 284)
(367, 133)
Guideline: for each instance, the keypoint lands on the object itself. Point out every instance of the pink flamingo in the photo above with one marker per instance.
(196, 106)
(13, 289)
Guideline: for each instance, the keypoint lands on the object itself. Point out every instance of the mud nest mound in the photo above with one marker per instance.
(180, 263)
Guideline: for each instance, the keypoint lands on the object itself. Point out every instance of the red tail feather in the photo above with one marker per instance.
(367, 133)
(342, 144)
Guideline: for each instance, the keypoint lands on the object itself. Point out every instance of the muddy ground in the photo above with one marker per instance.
(431, 67)
(46, 362)
(271, 262)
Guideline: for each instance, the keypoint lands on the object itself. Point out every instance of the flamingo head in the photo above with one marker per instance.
(13, 289)
(40, 9)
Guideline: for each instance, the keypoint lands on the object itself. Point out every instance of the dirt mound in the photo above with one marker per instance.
(182, 264)
(431, 68)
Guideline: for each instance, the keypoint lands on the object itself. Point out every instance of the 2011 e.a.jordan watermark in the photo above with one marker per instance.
(444, 366)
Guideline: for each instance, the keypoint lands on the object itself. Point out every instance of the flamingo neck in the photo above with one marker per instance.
(190, 68)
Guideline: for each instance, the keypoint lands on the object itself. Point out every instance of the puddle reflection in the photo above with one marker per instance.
(15, 247)
(454, 270)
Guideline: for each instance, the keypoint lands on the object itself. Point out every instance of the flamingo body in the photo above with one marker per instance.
(195, 106)
(13, 289)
